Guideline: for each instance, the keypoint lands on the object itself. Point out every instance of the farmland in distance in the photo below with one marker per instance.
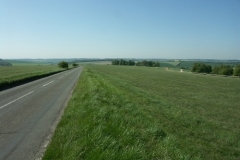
(121, 112)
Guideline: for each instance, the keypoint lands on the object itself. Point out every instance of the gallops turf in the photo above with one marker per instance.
(119, 112)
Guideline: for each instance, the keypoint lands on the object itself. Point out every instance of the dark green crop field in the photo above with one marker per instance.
(9, 75)
(169, 64)
(119, 112)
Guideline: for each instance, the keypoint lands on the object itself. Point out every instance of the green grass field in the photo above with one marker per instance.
(119, 112)
(9, 75)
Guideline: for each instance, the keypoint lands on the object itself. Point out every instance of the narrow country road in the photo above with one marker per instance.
(27, 113)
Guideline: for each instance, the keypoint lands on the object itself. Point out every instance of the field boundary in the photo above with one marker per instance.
(52, 130)
(216, 75)
(202, 74)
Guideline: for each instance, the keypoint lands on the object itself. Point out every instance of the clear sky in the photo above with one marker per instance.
(177, 29)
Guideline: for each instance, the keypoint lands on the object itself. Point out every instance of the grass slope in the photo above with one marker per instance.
(14, 74)
(119, 112)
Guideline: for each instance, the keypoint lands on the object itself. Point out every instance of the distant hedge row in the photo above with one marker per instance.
(221, 70)
(132, 63)
(148, 63)
(123, 62)
(4, 63)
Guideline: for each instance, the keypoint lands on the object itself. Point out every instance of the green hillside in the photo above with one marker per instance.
(4, 63)
(120, 112)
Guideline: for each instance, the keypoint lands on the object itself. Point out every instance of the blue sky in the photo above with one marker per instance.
(176, 29)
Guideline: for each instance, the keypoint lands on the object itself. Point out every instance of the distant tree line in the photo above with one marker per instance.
(237, 71)
(221, 70)
(63, 64)
(4, 63)
(75, 65)
(148, 64)
(132, 63)
(123, 62)
(201, 68)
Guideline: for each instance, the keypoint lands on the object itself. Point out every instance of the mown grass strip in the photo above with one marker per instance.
(135, 113)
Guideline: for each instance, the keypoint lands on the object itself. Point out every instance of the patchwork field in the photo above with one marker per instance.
(10, 75)
(120, 112)
(27, 63)
(95, 63)
(170, 64)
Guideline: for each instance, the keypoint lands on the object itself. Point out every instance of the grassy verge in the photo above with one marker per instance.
(15, 75)
(121, 112)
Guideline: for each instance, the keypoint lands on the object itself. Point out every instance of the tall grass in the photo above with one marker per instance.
(119, 112)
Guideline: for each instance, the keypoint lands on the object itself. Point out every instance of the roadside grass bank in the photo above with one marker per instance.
(119, 112)
(17, 75)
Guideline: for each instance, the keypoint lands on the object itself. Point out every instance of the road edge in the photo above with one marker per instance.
(46, 142)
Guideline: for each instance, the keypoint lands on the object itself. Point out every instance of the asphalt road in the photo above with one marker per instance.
(28, 112)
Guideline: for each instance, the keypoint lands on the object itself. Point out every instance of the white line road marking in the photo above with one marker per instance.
(60, 77)
(47, 83)
(66, 74)
(16, 99)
